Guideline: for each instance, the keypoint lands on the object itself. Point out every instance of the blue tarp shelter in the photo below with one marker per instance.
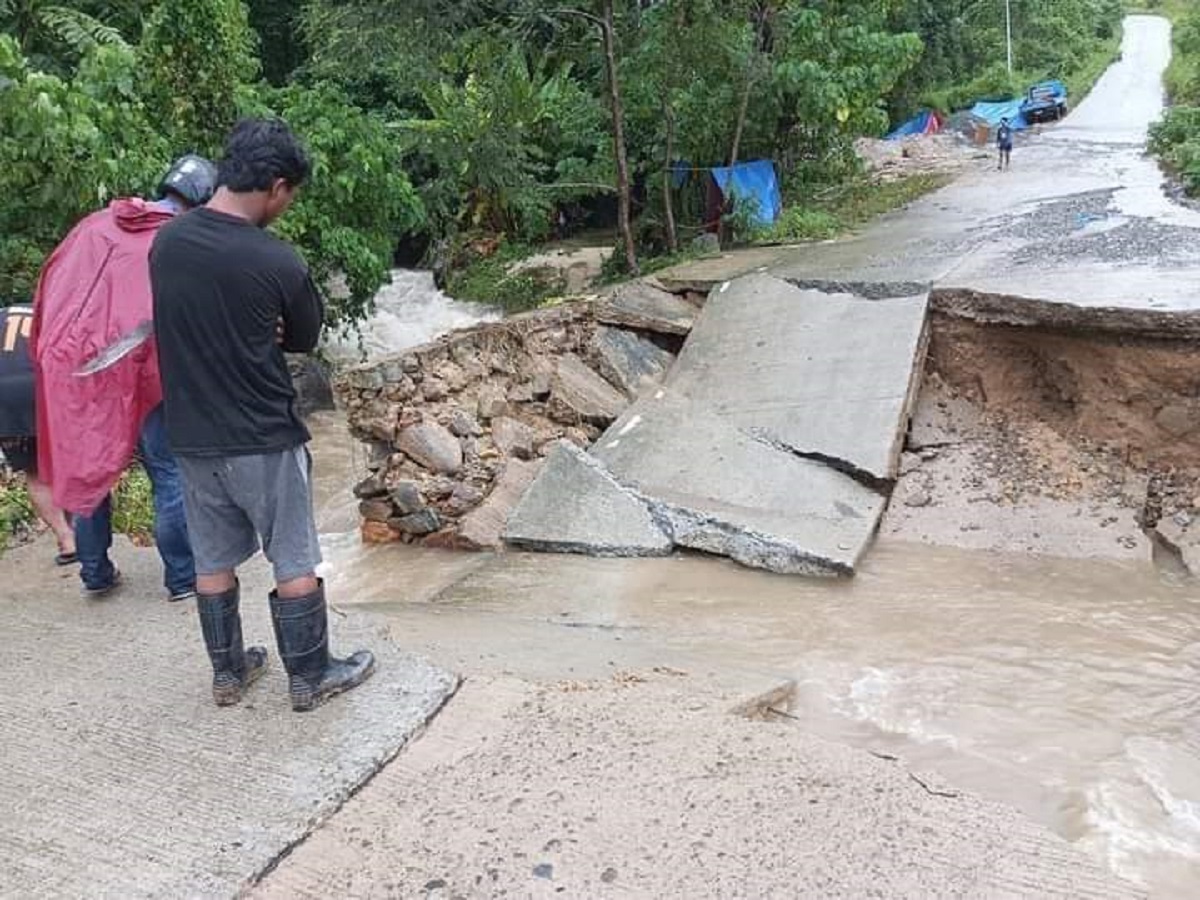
(924, 122)
(993, 112)
(756, 183)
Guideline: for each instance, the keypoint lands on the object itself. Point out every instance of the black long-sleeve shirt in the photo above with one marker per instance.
(221, 285)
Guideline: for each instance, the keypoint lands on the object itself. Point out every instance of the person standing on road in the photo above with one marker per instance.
(18, 429)
(93, 294)
(224, 289)
(1004, 140)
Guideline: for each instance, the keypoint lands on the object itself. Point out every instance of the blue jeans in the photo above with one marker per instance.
(93, 534)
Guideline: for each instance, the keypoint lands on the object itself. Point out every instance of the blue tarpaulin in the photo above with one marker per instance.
(925, 122)
(992, 113)
(756, 183)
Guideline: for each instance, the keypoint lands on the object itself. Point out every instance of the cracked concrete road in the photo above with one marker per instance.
(773, 441)
(120, 777)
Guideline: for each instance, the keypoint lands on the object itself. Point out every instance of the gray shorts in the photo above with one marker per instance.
(233, 502)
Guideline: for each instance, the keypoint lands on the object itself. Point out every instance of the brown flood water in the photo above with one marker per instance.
(1066, 688)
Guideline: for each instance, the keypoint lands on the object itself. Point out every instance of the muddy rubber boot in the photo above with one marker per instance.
(302, 633)
(234, 666)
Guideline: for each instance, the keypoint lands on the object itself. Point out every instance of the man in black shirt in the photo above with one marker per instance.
(229, 299)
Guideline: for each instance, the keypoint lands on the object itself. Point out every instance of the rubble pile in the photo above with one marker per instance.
(459, 427)
(924, 154)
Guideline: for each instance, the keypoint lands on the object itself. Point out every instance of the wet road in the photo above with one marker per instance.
(1081, 218)
(1064, 688)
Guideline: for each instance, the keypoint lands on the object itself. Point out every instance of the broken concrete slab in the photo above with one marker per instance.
(724, 491)
(574, 506)
(122, 779)
(773, 441)
(584, 393)
(630, 361)
(828, 376)
(647, 308)
(483, 527)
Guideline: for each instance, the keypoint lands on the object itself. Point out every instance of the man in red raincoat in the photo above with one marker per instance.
(92, 420)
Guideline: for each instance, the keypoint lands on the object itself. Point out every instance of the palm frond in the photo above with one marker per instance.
(78, 30)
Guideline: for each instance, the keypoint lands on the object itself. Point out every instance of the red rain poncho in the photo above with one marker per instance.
(94, 288)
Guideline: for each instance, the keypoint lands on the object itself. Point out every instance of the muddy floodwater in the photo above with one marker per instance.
(1067, 688)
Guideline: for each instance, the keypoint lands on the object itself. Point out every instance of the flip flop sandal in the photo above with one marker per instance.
(66, 559)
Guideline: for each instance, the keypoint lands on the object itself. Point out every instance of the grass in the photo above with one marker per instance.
(133, 508)
(848, 207)
(16, 512)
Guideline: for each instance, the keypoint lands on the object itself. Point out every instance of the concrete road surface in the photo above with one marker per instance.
(1081, 217)
(120, 776)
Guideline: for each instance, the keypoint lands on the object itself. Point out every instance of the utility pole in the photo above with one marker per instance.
(1008, 31)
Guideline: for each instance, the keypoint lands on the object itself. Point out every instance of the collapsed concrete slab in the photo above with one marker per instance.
(827, 376)
(574, 506)
(773, 440)
(644, 307)
(724, 491)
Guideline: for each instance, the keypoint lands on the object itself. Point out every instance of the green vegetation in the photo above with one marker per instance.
(133, 508)
(445, 118)
(16, 512)
(1176, 140)
(849, 206)
(96, 98)
(965, 48)
(487, 279)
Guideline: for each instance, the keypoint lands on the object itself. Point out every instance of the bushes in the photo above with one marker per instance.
(1176, 139)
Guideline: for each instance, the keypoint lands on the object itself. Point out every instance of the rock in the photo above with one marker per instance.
(706, 243)
(439, 488)
(424, 522)
(314, 389)
(464, 499)
(576, 506)
(376, 510)
(432, 446)
(1178, 419)
(452, 375)
(371, 487)
(365, 378)
(434, 389)
(378, 533)
(585, 393)
(513, 438)
(493, 402)
(406, 498)
(630, 361)
(917, 497)
(482, 528)
(462, 424)
(639, 305)
(381, 427)
(541, 384)
(521, 393)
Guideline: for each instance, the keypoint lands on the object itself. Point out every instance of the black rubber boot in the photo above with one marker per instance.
(234, 666)
(302, 633)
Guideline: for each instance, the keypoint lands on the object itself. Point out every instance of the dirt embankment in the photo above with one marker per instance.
(1042, 434)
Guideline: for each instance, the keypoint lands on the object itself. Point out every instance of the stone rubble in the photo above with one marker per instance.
(458, 428)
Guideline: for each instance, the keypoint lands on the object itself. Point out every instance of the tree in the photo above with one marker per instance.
(66, 148)
(197, 56)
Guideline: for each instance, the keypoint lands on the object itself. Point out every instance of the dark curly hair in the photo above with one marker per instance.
(259, 151)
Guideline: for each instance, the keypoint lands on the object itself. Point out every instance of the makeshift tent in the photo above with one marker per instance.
(993, 112)
(756, 184)
(924, 122)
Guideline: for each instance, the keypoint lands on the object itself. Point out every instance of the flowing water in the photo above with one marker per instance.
(1068, 689)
